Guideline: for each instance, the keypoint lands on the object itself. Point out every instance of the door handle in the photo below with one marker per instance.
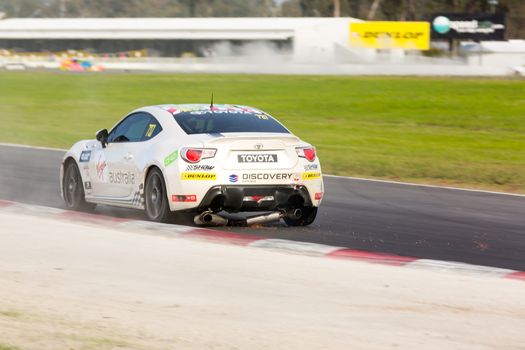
(128, 156)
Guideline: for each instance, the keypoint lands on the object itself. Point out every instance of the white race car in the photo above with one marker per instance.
(196, 158)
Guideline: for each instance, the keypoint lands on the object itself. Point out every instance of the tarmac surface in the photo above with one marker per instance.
(425, 222)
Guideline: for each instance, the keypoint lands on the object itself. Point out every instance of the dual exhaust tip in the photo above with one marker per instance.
(210, 219)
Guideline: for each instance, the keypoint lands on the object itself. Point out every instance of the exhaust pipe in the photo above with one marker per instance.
(275, 216)
(209, 219)
(261, 219)
(294, 213)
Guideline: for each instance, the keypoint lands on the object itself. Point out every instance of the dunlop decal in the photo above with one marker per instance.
(311, 175)
(198, 176)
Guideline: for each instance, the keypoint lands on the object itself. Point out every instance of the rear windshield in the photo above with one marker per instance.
(222, 121)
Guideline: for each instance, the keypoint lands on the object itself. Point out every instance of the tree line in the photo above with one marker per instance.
(364, 9)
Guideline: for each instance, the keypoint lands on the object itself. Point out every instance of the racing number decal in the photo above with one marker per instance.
(151, 129)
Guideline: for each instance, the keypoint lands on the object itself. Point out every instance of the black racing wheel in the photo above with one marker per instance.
(307, 217)
(73, 189)
(155, 197)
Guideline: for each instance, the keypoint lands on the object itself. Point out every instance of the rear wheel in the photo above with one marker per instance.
(155, 197)
(307, 217)
(73, 189)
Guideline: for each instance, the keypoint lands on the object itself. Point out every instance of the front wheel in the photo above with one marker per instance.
(156, 200)
(73, 189)
(307, 217)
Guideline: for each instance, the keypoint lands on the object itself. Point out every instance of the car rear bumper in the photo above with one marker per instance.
(236, 198)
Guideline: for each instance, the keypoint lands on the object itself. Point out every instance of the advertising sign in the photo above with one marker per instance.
(468, 26)
(390, 35)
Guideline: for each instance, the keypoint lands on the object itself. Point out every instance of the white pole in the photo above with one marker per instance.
(62, 8)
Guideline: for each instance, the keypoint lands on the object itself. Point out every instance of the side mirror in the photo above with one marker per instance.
(102, 137)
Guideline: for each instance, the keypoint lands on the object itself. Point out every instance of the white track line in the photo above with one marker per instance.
(304, 248)
(3, 144)
(326, 175)
(425, 185)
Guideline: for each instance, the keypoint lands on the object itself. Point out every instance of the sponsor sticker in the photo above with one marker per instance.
(183, 198)
(171, 158)
(257, 158)
(319, 196)
(309, 167)
(198, 176)
(85, 156)
(196, 109)
(121, 177)
(87, 185)
(197, 167)
(311, 175)
(254, 177)
(229, 111)
(233, 178)
(102, 168)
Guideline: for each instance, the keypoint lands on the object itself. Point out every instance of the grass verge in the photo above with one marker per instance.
(8, 347)
(462, 132)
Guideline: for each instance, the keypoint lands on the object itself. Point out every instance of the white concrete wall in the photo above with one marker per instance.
(317, 42)
(505, 59)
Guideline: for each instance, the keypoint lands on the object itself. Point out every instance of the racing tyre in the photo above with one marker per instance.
(73, 189)
(155, 197)
(309, 214)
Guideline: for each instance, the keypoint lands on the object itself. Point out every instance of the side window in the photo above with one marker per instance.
(137, 127)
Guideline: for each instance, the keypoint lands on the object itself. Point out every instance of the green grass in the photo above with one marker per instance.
(10, 313)
(8, 347)
(466, 132)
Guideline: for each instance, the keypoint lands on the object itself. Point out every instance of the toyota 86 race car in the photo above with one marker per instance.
(195, 158)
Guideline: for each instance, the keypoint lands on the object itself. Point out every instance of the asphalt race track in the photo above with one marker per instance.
(445, 224)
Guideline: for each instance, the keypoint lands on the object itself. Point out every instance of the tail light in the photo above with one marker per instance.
(194, 155)
(306, 152)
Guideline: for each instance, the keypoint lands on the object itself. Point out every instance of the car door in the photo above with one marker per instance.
(115, 168)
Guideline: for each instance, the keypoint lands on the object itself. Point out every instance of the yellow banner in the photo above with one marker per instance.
(390, 35)
(198, 176)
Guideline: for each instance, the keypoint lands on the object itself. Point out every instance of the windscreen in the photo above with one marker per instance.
(223, 121)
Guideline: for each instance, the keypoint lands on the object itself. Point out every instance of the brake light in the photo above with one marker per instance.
(306, 152)
(194, 155)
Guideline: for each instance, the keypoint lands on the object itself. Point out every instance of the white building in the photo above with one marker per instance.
(307, 39)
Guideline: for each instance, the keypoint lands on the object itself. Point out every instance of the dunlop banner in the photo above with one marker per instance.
(390, 35)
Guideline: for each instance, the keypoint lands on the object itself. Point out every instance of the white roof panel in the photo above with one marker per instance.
(263, 28)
